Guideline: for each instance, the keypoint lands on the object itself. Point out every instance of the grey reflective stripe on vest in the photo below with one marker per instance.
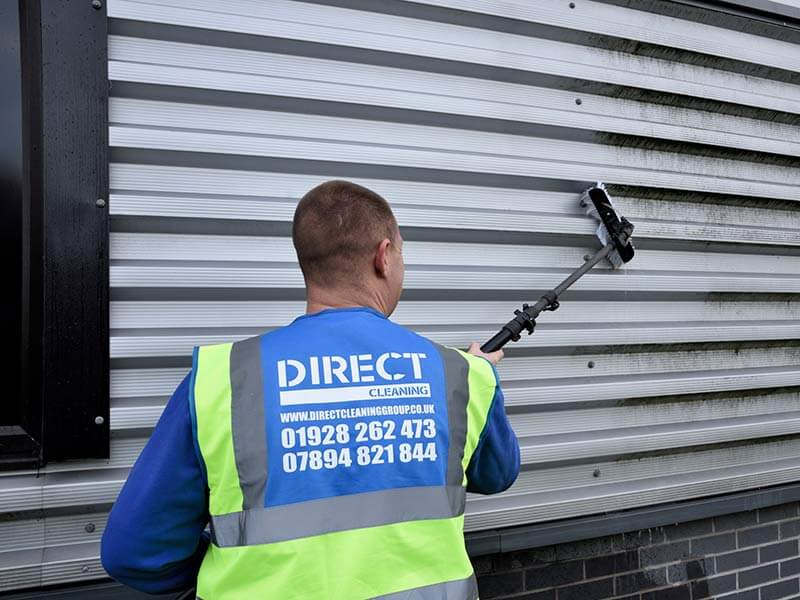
(247, 415)
(456, 373)
(337, 513)
(461, 589)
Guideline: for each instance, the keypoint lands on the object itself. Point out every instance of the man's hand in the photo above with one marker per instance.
(493, 357)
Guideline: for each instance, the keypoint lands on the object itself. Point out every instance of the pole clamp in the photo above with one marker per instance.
(525, 322)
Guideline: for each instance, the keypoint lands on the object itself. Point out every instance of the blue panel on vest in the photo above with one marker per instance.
(354, 403)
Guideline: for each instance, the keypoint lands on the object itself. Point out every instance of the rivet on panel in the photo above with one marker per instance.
(97, 5)
(572, 5)
(89, 528)
(590, 364)
(100, 203)
(578, 101)
(596, 473)
(99, 420)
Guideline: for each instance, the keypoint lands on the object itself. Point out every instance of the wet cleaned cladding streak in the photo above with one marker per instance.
(480, 129)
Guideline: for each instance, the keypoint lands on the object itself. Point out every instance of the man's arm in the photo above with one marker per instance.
(154, 538)
(494, 465)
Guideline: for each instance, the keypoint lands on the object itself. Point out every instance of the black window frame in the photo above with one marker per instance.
(63, 403)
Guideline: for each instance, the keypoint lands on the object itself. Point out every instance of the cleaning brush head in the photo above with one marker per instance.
(612, 228)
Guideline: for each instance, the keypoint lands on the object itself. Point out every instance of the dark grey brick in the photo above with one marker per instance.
(688, 530)
(737, 560)
(714, 544)
(553, 575)
(790, 567)
(613, 563)
(585, 549)
(752, 577)
(777, 513)
(510, 561)
(658, 535)
(543, 595)
(694, 569)
(782, 589)
(713, 586)
(757, 535)
(790, 529)
(482, 564)
(785, 549)
(735, 521)
(664, 553)
(591, 590)
(493, 586)
(638, 539)
(746, 595)
(641, 580)
(680, 592)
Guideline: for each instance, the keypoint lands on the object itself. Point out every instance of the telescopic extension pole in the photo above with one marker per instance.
(525, 319)
(615, 234)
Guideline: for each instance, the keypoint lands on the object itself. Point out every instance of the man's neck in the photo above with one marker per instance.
(318, 300)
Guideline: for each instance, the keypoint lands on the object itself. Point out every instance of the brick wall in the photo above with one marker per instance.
(744, 556)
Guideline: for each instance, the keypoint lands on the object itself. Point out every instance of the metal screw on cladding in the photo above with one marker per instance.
(578, 101)
(100, 203)
(97, 5)
(572, 5)
(590, 364)
(89, 528)
(99, 420)
(596, 473)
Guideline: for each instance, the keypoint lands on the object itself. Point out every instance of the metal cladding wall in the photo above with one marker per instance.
(676, 378)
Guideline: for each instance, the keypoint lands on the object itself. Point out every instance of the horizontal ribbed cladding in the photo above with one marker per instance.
(674, 379)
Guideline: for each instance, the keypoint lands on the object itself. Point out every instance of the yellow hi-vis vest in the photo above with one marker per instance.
(398, 543)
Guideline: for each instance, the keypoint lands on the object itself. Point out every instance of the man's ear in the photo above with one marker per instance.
(382, 258)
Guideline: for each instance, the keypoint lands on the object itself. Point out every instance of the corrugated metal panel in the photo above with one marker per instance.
(779, 8)
(616, 21)
(269, 73)
(674, 379)
(179, 127)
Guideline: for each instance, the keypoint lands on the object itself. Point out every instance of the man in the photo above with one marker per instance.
(330, 456)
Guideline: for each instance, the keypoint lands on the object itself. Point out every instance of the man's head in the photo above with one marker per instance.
(349, 246)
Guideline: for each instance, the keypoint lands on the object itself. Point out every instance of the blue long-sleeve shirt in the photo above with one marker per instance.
(154, 540)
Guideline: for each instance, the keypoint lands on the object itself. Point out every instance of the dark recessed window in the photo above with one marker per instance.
(15, 443)
(53, 167)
